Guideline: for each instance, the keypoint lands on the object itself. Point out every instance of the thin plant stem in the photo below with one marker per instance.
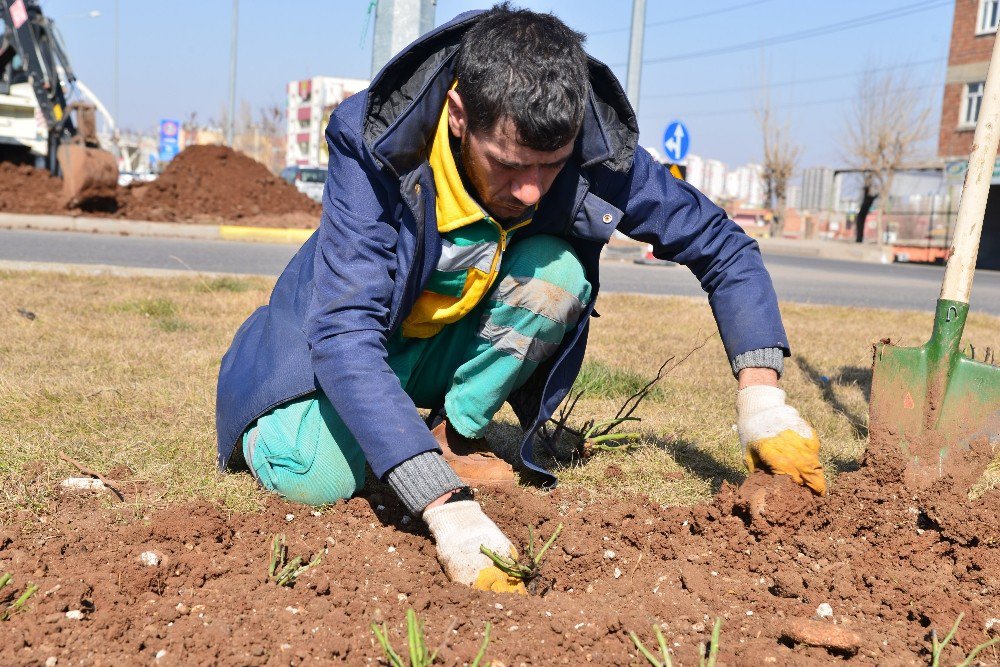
(482, 649)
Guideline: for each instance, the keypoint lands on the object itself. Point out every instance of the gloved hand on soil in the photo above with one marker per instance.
(776, 439)
(459, 528)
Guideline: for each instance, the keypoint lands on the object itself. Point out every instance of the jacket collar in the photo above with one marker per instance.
(405, 99)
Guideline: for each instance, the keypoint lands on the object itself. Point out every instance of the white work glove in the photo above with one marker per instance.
(776, 439)
(459, 529)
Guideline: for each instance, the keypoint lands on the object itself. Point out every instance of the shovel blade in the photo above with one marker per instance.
(933, 402)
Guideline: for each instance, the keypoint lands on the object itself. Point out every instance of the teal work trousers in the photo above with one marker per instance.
(304, 451)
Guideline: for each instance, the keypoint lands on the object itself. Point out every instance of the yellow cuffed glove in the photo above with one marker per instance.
(459, 529)
(776, 439)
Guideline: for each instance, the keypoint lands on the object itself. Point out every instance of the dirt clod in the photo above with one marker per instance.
(821, 634)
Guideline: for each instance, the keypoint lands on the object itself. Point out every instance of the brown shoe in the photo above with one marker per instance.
(471, 458)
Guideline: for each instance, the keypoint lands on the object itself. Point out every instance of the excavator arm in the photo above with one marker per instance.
(73, 153)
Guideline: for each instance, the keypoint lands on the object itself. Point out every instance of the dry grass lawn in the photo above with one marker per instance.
(119, 373)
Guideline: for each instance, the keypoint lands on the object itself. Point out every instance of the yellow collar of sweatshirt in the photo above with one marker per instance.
(455, 207)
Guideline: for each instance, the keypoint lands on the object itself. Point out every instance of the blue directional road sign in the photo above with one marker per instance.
(676, 141)
(169, 147)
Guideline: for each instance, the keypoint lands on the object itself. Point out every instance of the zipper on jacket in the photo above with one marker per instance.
(502, 241)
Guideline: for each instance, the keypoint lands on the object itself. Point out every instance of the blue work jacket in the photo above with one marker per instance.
(355, 280)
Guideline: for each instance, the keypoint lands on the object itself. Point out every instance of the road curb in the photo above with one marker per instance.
(118, 271)
(797, 248)
(68, 223)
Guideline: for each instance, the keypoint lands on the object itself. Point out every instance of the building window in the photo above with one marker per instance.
(989, 14)
(970, 104)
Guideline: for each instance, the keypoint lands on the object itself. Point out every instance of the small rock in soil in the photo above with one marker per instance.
(823, 635)
(83, 484)
(149, 558)
(824, 610)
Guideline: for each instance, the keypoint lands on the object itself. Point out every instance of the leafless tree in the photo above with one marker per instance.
(884, 128)
(780, 156)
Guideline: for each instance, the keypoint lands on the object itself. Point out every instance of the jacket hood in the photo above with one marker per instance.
(405, 99)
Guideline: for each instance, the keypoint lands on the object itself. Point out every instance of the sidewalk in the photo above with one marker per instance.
(628, 250)
(619, 249)
(63, 223)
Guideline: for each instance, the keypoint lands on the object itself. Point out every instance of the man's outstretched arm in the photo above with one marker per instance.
(684, 226)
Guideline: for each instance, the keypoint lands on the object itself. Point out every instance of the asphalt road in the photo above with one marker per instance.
(801, 279)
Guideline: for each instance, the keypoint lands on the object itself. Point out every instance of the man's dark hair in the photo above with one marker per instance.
(528, 67)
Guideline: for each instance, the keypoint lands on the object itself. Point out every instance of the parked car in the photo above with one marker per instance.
(127, 178)
(307, 180)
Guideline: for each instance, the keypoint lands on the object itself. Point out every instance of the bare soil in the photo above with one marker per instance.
(24, 189)
(203, 184)
(891, 564)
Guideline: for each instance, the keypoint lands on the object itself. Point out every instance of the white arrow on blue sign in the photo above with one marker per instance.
(676, 141)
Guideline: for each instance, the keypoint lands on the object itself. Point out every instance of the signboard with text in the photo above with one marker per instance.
(169, 135)
(954, 172)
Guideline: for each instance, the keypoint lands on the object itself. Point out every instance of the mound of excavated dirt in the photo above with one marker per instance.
(889, 565)
(24, 189)
(214, 182)
(203, 184)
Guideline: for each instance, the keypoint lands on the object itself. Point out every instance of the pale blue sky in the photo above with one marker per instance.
(175, 57)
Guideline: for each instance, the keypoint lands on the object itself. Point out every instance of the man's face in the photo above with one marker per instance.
(508, 177)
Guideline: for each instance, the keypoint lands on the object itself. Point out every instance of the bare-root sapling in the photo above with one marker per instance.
(600, 435)
(528, 569)
(285, 572)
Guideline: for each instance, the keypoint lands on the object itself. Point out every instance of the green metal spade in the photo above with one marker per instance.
(933, 401)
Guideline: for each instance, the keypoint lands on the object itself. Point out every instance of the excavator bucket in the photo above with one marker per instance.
(89, 174)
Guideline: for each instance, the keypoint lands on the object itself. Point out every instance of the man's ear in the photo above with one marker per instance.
(456, 114)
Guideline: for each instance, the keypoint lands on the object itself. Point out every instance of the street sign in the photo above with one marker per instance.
(676, 141)
(954, 172)
(169, 145)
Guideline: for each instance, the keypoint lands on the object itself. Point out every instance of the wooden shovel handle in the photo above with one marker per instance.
(962, 264)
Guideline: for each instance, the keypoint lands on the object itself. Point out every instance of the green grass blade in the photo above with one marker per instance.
(664, 649)
(713, 650)
(482, 649)
(646, 653)
(24, 597)
(508, 566)
(541, 554)
(938, 647)
(279, 553)
(410, 632)
(972, 656)
(382, 635)
(608, 424)
(597, 440)
(5, 579)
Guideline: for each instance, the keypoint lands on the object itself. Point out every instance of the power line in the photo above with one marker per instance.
(810, 103)
(683, 19)
(858, 22)
(832, 77)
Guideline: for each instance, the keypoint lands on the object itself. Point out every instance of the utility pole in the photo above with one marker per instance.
(635, 53)
(118, 121)
(232, 73)
(397, 23)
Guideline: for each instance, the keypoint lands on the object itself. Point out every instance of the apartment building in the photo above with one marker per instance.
(309, 103)
(973, 31)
